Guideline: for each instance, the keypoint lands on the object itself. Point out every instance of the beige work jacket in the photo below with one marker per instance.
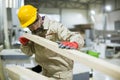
(49, 60)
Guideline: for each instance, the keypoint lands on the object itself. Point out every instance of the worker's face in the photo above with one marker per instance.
(35, 25)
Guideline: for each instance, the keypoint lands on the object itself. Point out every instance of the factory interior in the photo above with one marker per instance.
(98, 22)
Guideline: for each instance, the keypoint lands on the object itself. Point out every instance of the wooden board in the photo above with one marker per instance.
(2, 77)
(92, 62)
(21, 73)
(1, 71)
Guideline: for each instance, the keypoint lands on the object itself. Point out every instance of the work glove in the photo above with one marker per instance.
(23, 40)
(68, 45)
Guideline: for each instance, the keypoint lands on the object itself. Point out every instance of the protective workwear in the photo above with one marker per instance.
(23, 40)
(53, 65)
(68, 45)
(27, 15)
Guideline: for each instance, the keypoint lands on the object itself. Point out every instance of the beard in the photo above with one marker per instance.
(40, 31)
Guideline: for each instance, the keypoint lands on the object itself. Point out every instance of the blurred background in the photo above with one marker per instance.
(97, 20)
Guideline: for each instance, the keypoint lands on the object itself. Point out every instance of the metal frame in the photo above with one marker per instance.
(70, 4)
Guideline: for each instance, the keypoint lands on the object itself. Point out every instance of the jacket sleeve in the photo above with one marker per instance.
(66, 35)
(28, 49)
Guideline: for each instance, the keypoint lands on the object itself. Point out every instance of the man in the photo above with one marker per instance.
(54, 66)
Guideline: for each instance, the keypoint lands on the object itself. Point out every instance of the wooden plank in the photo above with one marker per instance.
(21, 73)
(2, 77)
(92, 62)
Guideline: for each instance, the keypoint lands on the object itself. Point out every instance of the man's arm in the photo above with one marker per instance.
(27, 46)
(65, 35)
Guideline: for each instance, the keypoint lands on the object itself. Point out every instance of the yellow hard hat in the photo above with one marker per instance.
(27, 14)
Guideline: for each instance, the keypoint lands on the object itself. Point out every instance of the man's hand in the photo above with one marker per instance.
(23, 40)
(68, 45)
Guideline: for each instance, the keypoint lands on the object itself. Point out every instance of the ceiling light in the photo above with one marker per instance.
(92, 12)
(108, 8)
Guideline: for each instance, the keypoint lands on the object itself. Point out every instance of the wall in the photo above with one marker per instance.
(97, 18)
(69, 17)
(49, 10)
(111, 18)
(52, 13)
(114, 15)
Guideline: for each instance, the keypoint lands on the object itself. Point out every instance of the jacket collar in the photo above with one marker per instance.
(46, 22)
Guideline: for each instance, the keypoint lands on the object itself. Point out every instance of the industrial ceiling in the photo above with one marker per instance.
(74, 4)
